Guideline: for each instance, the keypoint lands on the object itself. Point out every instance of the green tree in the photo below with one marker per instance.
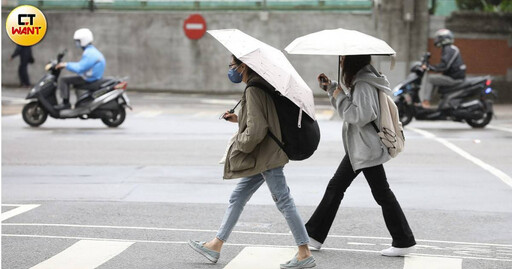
(485, 5)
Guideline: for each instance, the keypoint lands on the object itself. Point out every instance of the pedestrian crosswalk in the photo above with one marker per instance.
(18, 209)
(93, 252)
(422, 262)
(84, 254)
(261, 258)
(88, 253)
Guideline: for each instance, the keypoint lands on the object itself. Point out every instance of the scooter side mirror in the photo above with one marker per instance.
(61, 55)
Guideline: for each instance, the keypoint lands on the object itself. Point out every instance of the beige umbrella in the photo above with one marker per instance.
(271, 64)
(341, 42)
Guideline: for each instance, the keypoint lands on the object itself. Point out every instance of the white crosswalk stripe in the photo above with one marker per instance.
(85, 254)
(261, 258)
(20, 209)
(421, 262)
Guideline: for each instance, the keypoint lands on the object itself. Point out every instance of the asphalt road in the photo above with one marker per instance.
(76, 192)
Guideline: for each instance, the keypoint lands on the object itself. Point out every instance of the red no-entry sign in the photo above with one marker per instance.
(194, 26)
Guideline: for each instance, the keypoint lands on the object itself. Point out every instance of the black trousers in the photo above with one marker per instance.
(320, 222)
(65, 82)
(23, 74)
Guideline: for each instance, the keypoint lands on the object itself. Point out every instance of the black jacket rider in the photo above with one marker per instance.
(451, 63)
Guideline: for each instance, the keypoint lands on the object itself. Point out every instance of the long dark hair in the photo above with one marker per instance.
(238, 62)
(351, 65)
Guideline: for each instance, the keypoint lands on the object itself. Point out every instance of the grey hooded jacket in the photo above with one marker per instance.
(358, 110)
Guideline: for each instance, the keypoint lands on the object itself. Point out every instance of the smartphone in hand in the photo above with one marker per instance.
(323, 80)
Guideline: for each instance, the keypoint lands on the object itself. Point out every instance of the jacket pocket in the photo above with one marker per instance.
(368, 146)
(240, 161)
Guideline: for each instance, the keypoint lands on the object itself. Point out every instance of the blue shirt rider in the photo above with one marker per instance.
(90, 68)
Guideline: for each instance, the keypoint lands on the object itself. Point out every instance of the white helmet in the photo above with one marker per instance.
(83, 36)
(443, 37)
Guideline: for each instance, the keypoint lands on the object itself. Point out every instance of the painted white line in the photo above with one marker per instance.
(240, 245)
(500, 128)
(14, 100)
(360, 244)
(20, 209)
(148, 114)
(218, 101)
(419, 262)
(496, 172)
(238, 232)
(85, 254)
(261, 258)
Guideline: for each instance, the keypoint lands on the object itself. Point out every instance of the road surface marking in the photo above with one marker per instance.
(14, 100)
(261, 258)
(85, 254)
(420, 262)
(324, 114)
(239, 232)
(496, 172)
(360, 244)
(241, 245)
(500, 128)
(148, 114)
(20, 209)
(218, 102)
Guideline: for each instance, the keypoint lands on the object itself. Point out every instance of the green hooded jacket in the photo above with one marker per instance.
(253, 150)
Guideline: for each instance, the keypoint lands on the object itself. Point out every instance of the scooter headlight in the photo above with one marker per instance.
(488, 90)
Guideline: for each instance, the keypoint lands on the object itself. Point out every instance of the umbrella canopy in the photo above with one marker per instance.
(271, 64)
(339, 42)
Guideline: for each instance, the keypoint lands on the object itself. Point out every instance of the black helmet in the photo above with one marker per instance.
(443, 37)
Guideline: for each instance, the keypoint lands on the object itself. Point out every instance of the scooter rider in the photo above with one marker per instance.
(452, 67)
(90, 68)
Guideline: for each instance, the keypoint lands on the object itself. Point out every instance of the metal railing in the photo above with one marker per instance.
(349, 5)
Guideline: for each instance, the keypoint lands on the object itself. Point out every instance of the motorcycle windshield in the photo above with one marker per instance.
(410, 79)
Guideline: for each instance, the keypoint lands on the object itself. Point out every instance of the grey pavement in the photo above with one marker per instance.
(156, 182)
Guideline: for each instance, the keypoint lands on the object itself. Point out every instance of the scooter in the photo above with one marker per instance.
(104, 99)
(468, 101)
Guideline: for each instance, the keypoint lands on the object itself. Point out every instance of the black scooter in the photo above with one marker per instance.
(104, 99)
(468, 101)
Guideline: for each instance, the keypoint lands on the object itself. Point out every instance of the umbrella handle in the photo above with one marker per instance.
(339, 69)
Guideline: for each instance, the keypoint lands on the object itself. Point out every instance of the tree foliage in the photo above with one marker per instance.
(485, 5)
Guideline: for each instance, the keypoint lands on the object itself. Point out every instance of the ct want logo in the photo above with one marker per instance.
(26, 25)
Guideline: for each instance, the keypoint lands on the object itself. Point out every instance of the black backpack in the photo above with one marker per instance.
(300, 139)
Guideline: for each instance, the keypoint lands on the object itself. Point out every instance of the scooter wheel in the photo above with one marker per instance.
(481, 123)
(34, 114)
(405, 112)
(117, 118)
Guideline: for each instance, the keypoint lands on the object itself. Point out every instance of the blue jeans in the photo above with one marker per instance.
(276, 183)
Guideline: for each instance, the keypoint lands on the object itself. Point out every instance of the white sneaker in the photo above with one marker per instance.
(315, 245)
(397, 252)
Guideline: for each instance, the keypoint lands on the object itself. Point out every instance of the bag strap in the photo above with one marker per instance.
(375, 127)
(373, 122)
(268, 91)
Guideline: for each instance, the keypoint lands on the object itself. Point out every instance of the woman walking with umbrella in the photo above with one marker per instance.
(254, 155)
(357, 102)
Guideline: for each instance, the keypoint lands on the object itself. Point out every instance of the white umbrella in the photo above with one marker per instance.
(271, 64)
(341, 42)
